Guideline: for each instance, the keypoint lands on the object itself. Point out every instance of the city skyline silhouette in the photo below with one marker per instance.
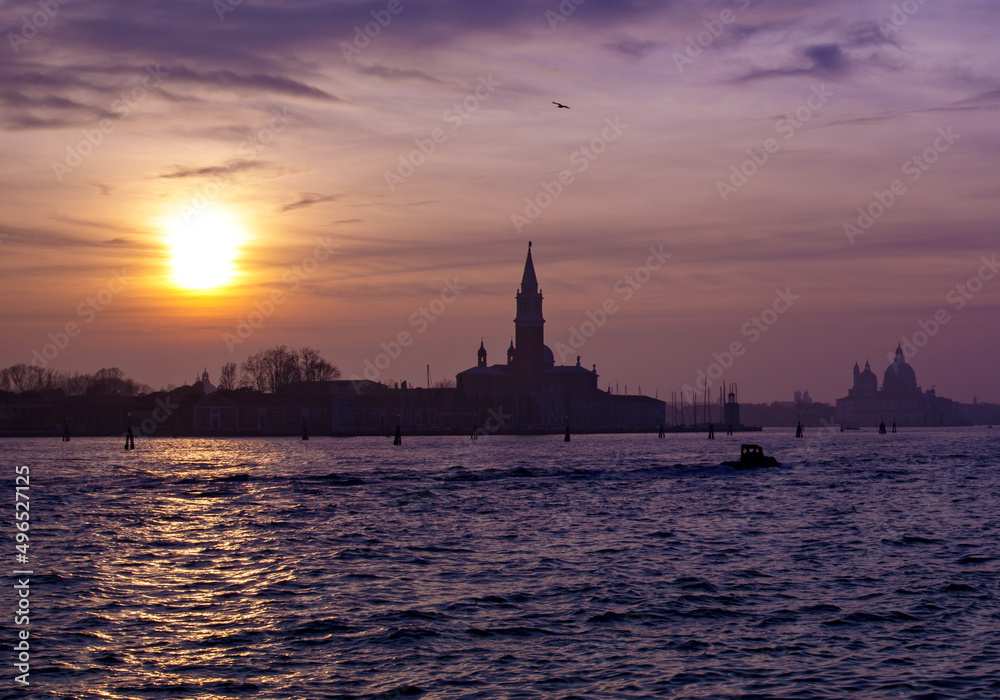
(192, 195)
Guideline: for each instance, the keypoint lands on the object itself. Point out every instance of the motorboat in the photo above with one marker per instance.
(751, 457)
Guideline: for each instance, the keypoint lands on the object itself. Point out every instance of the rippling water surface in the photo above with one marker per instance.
(515, 567)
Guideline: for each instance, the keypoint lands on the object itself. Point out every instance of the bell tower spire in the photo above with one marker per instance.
(529, 333)
(529, 283)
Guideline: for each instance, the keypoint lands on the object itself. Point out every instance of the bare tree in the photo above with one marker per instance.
(274, 369)
(271, 370)
(112, 380)
(253, 373)
(227, 377)
(17, 378)
(76, 384)
(313, 368)
(21, 377)
(282, 366)
(109, 380)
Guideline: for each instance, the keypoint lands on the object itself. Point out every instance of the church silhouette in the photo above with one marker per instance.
(538, 394)
(530, 393)
(899, 400)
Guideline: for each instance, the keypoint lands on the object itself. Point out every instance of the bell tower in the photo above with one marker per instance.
(529, 334)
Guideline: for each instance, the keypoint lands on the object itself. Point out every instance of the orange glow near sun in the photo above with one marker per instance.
(204, 247)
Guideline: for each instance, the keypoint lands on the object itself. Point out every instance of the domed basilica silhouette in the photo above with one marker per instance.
(900, 399)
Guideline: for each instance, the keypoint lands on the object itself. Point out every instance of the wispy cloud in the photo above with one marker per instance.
(821, 60)
(230, 168)
(308, 199)
(635, 48)
(254, 82)
(394, 74)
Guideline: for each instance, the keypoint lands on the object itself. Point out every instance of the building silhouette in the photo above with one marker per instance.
(206, 385)
(900, 399)
(494, 399)
(535, 392)
(528, 393)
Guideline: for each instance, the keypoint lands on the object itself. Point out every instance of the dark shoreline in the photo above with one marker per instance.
(386, 434)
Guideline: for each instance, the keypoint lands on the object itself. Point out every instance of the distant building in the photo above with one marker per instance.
(787, 414)
(206, 385)
(536, 393)
(339, 407)
(899, 399)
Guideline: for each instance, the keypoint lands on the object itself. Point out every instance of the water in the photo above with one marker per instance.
(514, 567)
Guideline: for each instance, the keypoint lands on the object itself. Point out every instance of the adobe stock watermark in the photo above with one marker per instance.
(913, 169)
(714, 28)
(579, 160)
(625, 288)
(222, 7)
(566, 9)
(260, 140)
(265, 308)
(123, 107)
(32, 23)
(957, 298)
(363, 36)
(901, 14)
(421, 320)
(159, 415)
(495, 421)
(87, 311)
(753, 329)
(786, 127)
(455, 116)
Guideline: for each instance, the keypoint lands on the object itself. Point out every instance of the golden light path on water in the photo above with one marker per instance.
(610, 566)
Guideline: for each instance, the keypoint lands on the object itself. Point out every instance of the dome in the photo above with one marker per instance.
(899, 377)
(206, 385)
(549, 360)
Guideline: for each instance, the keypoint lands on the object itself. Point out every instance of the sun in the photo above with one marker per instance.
(204, 247)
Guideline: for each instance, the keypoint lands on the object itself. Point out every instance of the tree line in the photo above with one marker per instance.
(110, 381)
(271, 370)
(267, 371)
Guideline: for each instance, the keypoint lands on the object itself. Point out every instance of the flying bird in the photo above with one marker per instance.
(560, 105)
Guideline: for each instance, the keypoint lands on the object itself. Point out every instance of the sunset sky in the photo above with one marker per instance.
(357, 161)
